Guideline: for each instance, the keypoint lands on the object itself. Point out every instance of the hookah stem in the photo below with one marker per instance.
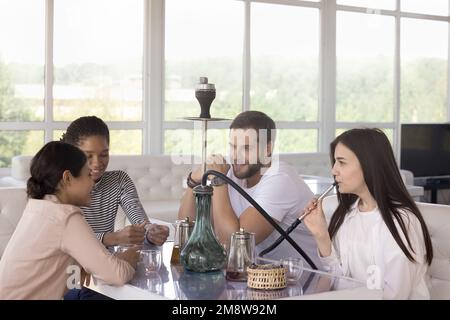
(294, 224)
(204, 142)
(262, 211)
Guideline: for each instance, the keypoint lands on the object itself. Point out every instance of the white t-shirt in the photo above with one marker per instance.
(282, 193)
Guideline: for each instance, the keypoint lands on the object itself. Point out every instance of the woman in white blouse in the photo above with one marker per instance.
(377, 234)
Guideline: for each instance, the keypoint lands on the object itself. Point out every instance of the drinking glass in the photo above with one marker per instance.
(294, 269)
(151, 259)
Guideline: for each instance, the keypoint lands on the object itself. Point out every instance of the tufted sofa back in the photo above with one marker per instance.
(313, 164)
(158, 177)
(161, 177)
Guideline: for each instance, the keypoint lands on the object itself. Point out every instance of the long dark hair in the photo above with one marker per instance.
(385, 184)
(85, 127)
(48, 165)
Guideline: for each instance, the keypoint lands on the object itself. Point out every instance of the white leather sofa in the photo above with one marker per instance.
(12, 204)
(159, 181)
(437, 218)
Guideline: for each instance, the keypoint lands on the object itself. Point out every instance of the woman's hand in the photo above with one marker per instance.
(316, 223)
(315, 219)
(131, 256)
(133, 234)
(156, 233)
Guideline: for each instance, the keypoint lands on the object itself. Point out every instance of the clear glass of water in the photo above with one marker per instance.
(124, 247)
(151, 260)
(294, 269)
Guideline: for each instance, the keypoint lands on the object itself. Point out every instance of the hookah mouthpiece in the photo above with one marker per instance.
(319, 199)
(327, 191)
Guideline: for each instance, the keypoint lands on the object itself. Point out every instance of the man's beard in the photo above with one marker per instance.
(252, 169)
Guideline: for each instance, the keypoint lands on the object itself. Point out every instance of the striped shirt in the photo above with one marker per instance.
(114, 188)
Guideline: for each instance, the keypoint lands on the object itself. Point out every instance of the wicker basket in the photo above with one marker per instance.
(266, 277)
(256, 294)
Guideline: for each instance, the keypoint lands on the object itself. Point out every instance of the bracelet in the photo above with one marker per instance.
(190, 182)
(146, 233)
(217, 182)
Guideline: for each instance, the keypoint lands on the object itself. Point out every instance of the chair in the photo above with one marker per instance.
(437, 218)
(12, 205)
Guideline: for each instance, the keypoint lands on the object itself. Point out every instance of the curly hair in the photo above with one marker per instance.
(85, 127)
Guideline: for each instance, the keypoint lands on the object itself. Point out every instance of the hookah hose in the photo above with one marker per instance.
(294, 224)
(284, 235)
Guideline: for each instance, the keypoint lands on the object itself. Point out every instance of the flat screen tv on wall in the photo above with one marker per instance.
(425, 149)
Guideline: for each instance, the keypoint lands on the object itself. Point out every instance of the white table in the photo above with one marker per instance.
(174, 283)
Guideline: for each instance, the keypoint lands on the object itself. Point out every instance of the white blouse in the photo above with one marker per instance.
(364, 249)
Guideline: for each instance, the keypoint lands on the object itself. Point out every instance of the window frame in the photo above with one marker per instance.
(153, 124)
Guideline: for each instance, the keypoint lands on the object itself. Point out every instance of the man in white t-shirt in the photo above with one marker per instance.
(274, 185)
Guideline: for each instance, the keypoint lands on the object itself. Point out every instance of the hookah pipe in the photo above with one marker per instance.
(284, 235)
(295, 223)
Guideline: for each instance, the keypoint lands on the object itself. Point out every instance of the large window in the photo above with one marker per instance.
(378, 4)
(122, 141)
(202, 38)
(391, 63)
(435, 7)
(424, 72)
(316, 67)
(22, 62)
(274, 69)
(92, 52)
(97, 57)
(15, 142)
(365, 46)
(285, 61)
(285, 71)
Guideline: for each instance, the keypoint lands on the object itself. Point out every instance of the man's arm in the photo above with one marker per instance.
(187, 205)
(226, 222)
(276, 194)
(224, 218)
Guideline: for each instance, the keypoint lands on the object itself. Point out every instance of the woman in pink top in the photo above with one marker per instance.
(52, 238)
